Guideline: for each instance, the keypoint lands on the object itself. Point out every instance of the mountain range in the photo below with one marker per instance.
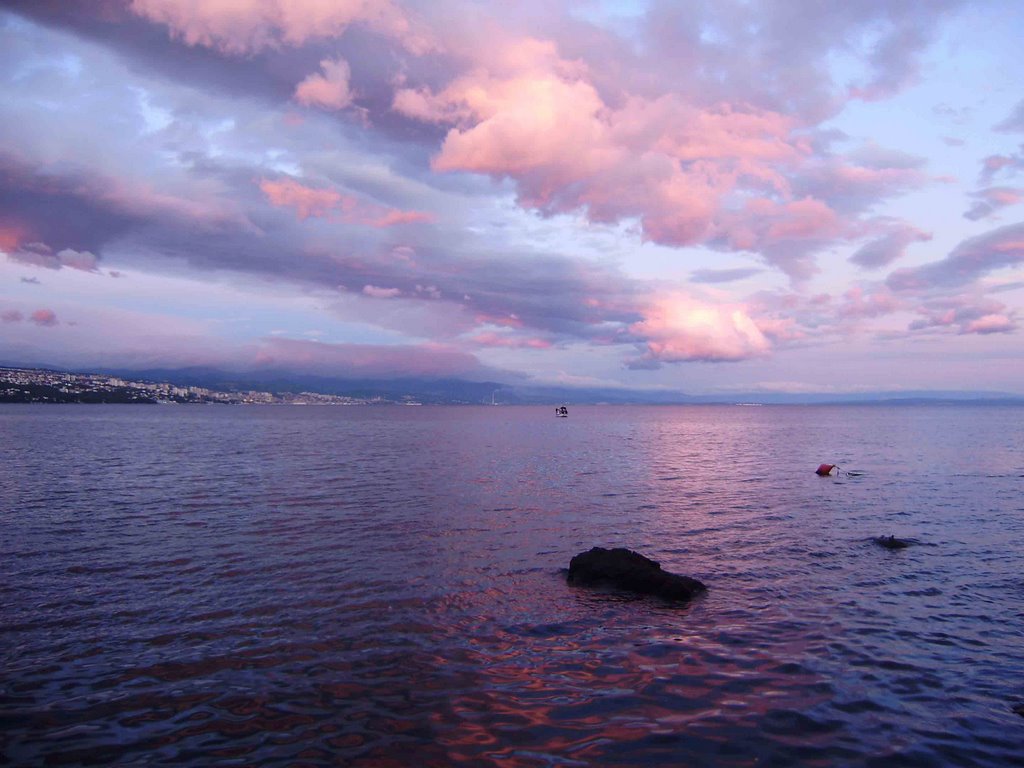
(461, 391)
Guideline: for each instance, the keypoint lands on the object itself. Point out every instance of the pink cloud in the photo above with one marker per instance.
(964, 314)
(678, 328)
(329, 203)
(330, 90)
(44, 317)
(509, 342)
(381, 293)
(502, 321)
(780, 329)
(858, 304)
(11, 316)
(725, 174)
(764, 222)
(393, 217)
(1003, 195)
(307, 201)
(246, 26)
(987, 324)
(11, 236)
(851, 187)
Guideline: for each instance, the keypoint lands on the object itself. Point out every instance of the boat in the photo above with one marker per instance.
(561, 411)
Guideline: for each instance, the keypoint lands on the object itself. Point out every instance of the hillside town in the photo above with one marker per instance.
(35, 385)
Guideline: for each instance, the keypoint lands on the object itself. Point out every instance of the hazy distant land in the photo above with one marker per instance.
(205, 386)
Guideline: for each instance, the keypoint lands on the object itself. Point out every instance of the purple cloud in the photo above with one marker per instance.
(989, 201)
(970, 260)
(722, 275)
(1015, 122)
(888, 248)
(302, 144)
(1005, 165)
(41, 255)
(44, 317)
(965, 315)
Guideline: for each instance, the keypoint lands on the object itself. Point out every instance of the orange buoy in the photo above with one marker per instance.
(825, 469)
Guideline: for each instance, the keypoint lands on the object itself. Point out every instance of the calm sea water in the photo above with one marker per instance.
(384, 586)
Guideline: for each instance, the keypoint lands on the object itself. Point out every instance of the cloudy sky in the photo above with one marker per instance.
(706, 196)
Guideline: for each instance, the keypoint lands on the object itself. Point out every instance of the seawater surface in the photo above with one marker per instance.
(385, 586)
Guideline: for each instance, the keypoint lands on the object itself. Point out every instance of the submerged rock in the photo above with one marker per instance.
(625, 569)
(891, 542)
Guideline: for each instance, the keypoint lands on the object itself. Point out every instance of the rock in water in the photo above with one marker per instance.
(625, 569)
(891, 542)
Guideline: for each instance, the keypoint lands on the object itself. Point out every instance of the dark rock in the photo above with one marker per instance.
(1019, 709)
(625, 569)
(891, 542)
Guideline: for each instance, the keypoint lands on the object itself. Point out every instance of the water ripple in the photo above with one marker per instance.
(386, 586)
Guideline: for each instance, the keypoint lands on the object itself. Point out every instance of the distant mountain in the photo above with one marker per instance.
(447, 391)
(450, 391)
(453, 391)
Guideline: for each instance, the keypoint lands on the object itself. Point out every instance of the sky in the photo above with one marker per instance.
(704, 197)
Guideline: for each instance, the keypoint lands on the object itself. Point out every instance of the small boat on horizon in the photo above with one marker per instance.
(561, 411)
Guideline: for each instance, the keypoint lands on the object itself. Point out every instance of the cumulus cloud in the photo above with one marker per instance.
(725, 174)
(677, 328)
(247, 26)
(700, 126)
(330, 90)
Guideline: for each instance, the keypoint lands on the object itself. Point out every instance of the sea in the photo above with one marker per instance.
(386, 586)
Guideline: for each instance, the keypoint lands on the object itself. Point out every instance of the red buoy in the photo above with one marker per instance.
(825, 469)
